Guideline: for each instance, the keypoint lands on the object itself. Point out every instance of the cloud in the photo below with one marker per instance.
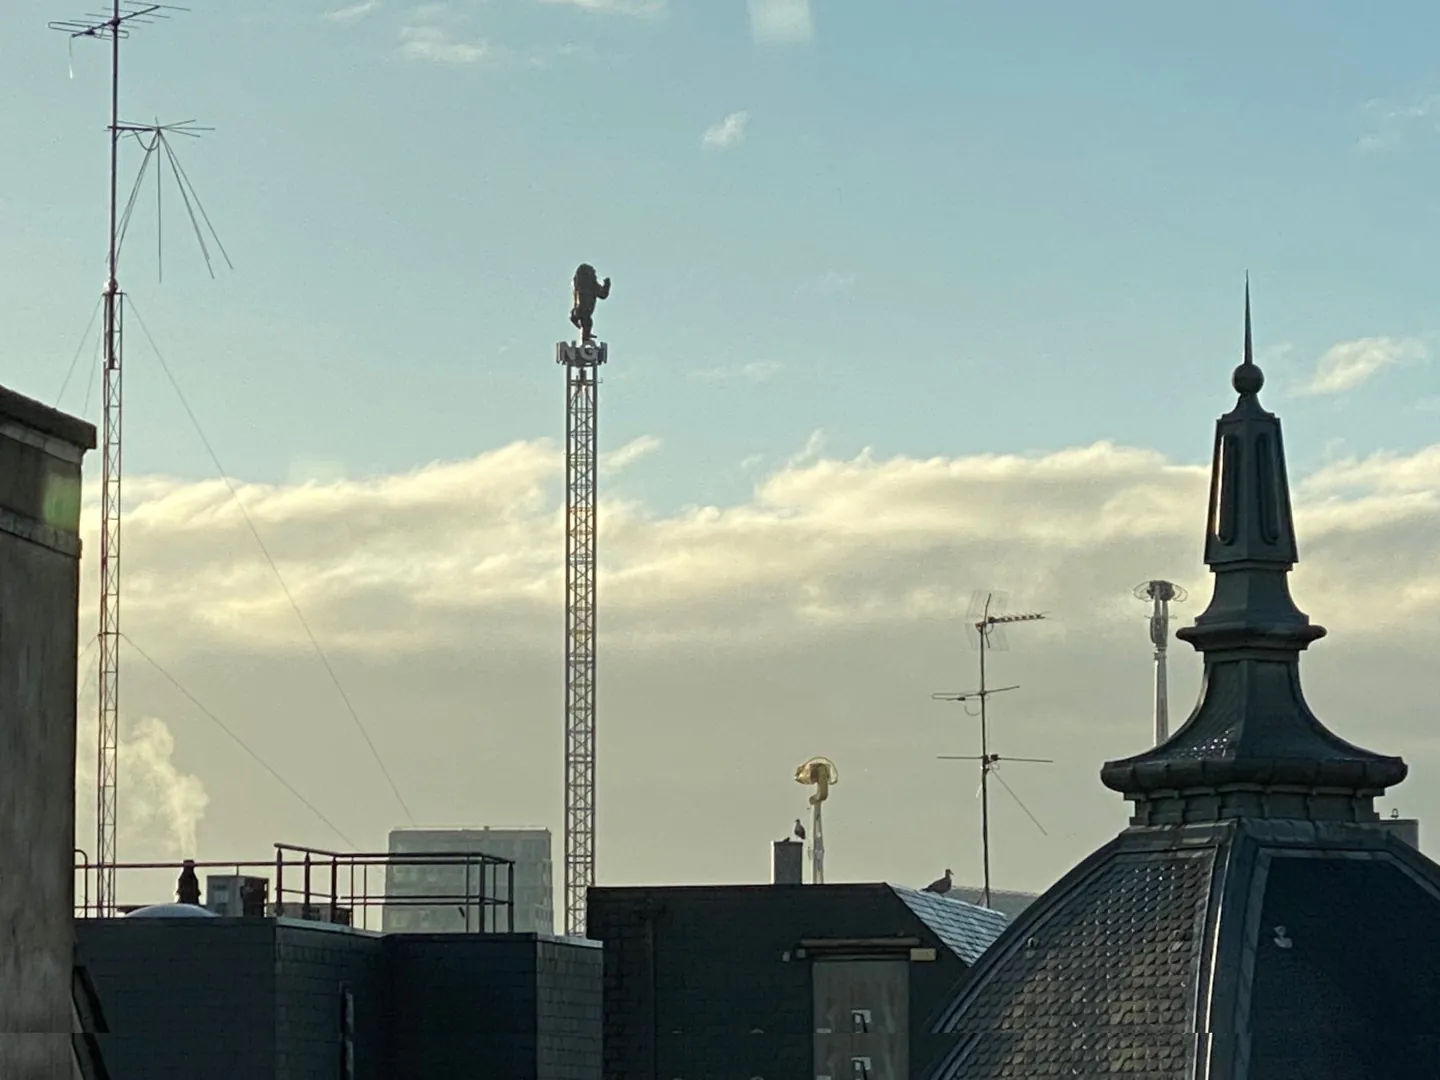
(616, 7)
(1350, 363)
(830, 283)
(727, 133)
(1389, 122)
(756, 371)
(435, 44)
(775, 22)
(352, 12)
(815, 616)
(618, 460)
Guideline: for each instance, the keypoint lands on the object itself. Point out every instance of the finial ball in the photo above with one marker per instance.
(1248, 379)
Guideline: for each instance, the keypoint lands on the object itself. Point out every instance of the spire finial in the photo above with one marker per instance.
(1252, 747)
(1248, 378)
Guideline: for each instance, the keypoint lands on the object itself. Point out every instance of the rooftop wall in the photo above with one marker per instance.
(40, 460)
(704, 981)
(250, 999)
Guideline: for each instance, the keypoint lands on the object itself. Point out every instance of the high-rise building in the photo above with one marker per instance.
(533, 899)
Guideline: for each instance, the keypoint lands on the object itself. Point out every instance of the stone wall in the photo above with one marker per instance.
(40, 460)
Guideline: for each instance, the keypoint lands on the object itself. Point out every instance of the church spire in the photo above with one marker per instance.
(1252, 747)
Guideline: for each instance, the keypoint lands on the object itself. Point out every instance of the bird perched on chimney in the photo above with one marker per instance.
(939, 885)
(799, 830)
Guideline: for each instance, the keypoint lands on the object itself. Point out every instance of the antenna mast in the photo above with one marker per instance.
(821, 774)
(112, 28)
(1161, 593)
(986, 618)
(582, 380)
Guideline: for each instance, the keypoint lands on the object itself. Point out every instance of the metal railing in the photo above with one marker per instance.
(336, 887)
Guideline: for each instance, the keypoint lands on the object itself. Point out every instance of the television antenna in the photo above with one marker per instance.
(1161, 595)
(984, 623)
(114, 27)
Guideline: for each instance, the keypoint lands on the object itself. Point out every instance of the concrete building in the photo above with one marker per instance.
(40, 460)
(229, 998)
(779, 980)
(528, 849)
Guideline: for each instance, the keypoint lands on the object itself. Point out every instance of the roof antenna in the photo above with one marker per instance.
(115, 27)
(1161, 594)
(984, 624)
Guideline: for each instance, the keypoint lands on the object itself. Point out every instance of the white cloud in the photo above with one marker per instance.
(618, 460)
(616, 7)
(829, 283)
(353, 12)
(1389, 122)
(757, 371)
(435, 44)
(814, 617)
(781, 21)
(1350, 363)
(727, 133)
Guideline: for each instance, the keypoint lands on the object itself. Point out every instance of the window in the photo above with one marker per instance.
(347, 1034)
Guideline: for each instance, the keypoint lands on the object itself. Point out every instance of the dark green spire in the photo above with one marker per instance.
(1252, 747)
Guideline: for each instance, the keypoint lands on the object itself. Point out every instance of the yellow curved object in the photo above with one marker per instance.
(820, 773)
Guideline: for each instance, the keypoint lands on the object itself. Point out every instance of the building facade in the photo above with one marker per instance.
(534, 895)
(40, 460)
(779, 981)
(265, 999)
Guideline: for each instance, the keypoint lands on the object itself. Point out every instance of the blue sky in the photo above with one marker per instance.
(945, 227)
(931, 229)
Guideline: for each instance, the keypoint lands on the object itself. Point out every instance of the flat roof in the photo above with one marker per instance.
(42, 418)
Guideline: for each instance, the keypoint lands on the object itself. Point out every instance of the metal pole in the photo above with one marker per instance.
(984, 763)
(1160, 633)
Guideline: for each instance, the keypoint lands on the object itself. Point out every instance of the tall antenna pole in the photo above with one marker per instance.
(984, 627)
(582, 365)
(1161, 593)
(113, 29)
(821, 774)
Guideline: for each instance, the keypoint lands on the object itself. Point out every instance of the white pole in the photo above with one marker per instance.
(1160, 635)
(817, 847)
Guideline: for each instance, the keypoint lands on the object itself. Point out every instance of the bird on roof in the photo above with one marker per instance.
(799, 830)
(939, 885)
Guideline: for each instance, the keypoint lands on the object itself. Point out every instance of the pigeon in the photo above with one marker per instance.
(799, 830)
(939, 885)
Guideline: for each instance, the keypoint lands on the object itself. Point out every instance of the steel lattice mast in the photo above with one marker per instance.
(113, 29)
(582, 381)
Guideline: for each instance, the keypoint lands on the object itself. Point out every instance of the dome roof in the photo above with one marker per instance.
(172, 911)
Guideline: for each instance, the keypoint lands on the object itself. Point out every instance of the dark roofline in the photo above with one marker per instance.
(674, 890)
(42, 418)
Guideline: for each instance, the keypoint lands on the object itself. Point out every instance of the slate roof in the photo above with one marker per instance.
(1003, 900)
(966, 929)
(1104, 971)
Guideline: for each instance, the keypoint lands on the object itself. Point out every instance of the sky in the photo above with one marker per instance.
(909, 299)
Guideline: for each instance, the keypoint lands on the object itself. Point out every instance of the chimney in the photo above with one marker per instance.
(789, 863)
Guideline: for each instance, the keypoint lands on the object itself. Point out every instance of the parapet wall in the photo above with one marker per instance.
(40, 460)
